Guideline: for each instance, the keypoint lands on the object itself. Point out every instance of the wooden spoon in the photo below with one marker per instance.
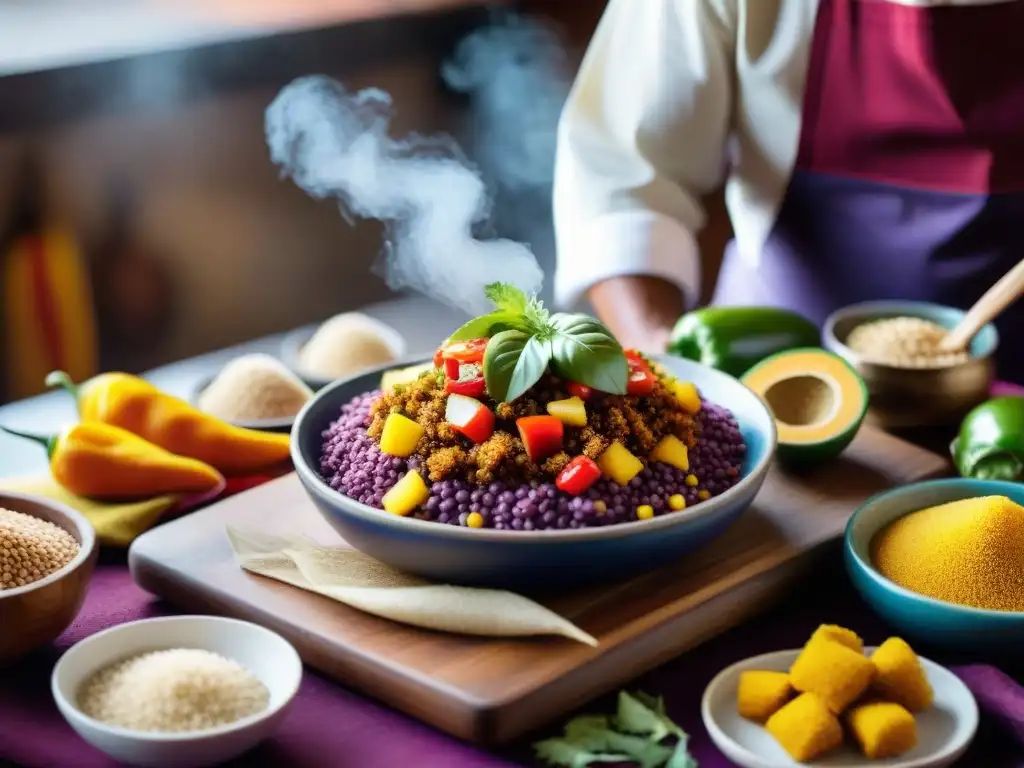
(996, 299)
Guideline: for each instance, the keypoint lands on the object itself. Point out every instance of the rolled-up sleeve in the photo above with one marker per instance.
(641, 139)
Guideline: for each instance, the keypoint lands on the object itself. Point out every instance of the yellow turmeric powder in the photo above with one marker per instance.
(969, 552)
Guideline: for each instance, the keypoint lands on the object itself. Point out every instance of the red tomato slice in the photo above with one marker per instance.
(469, 351)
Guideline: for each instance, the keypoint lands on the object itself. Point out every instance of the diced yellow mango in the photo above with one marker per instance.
(400, 435)
(407, 494)
(687, 395)
(619, 464)
(572, 411)
(672, 451)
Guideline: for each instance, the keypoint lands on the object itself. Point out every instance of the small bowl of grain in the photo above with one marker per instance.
(183, 691)
(893, 346)
(47, 554)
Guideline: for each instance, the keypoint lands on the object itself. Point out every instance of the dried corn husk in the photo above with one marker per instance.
(359, 581)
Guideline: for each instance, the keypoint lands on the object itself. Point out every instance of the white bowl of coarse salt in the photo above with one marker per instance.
(182, 691)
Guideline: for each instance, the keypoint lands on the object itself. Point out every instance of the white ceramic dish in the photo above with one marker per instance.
(264, 653)
(944, 731)
(293, 343)
(265, 425)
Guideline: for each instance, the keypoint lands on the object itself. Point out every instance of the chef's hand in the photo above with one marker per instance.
(639, 310)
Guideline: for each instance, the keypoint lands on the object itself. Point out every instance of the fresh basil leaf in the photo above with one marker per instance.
(480, 327)
(584, 351)
(500, 360)
(506, 297)
(533, 362)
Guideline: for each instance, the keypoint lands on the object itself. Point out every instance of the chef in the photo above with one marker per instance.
(870, 149)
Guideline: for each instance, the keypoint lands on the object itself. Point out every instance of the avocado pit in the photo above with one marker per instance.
(804, 400)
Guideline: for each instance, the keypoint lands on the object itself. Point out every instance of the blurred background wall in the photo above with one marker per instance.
(155, 164)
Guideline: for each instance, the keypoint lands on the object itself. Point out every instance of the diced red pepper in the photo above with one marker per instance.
(578, 475)
(582, 391)
(640, 383)
(470, 382)
(541, 435)
(469, 351)
(469, 417)
(636, 360)
(641, 378)
(439, 357)
(451, 368)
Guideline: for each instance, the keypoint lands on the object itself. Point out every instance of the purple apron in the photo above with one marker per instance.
(909, 180)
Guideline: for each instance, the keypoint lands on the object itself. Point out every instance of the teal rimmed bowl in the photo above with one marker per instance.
(935, 622)
(547, 559)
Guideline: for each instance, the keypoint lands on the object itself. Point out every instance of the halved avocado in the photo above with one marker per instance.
(818, 401)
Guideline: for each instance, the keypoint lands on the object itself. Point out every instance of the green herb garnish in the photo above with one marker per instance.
(525, 339)
(633, 735)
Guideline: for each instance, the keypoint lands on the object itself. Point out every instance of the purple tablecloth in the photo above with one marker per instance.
(330, 725)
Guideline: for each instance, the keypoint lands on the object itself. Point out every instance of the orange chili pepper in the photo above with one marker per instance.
(104, 462)
(134, 404)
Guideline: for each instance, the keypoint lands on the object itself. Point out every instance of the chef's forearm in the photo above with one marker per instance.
(639, 310)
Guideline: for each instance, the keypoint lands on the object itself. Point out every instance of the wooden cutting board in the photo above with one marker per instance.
(492, 691)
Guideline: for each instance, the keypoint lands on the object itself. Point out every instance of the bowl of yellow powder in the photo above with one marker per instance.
(47, 554)
(894, 345)
(178, 691)
(943, 561)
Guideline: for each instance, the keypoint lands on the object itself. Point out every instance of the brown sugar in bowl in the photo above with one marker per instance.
(37, 613)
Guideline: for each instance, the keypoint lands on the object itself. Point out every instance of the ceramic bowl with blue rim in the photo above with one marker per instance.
(521, 559)
(935, 622)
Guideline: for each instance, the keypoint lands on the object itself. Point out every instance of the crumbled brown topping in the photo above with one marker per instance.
(638, 423)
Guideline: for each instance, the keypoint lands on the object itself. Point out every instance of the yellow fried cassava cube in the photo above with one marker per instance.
(882, 729)
(762, 693)
(805, 728)
(841, 635)
(406, 495)
(837, 674)
(899, 676)
(400, 435)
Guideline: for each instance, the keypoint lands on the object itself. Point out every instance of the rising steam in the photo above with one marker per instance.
(335, 144)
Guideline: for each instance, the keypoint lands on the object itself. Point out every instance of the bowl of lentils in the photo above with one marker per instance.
(533, 451)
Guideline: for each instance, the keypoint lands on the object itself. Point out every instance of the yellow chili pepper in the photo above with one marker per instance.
(104, 462)
(136, 405)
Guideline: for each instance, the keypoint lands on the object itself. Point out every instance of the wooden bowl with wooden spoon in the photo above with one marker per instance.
(36, 613)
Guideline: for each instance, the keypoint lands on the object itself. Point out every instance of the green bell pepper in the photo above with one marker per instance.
(733, 339)
(990, 445)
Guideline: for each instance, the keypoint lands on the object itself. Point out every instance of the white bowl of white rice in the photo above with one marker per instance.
(182, 691)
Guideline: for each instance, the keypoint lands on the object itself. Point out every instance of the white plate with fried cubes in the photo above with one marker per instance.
(944, 730)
